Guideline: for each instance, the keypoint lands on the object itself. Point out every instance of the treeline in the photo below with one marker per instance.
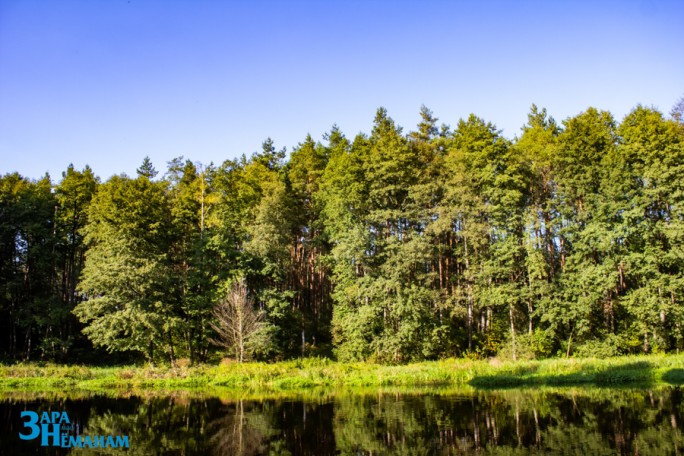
(392, 247)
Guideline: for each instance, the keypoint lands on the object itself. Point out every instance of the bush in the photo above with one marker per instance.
(527, 346)
(262, 345)
(611, 345)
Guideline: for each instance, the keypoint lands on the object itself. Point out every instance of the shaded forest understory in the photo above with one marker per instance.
(390, 247)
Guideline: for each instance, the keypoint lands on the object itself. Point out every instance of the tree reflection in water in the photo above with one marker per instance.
(571, 421)
(242, 432)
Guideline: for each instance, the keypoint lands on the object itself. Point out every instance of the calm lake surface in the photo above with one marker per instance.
(424, 422)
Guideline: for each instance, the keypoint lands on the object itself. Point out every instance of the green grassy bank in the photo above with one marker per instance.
(319, 373)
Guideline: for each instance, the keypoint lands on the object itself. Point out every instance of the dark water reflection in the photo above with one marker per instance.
(589, 422)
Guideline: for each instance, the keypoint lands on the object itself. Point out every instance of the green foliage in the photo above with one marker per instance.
(263, 345)
(41, 255)
(146, 169)
(609, 346)
(393, 247)
(537, 345)
(126, 277)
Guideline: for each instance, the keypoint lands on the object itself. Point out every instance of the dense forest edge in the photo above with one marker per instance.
(567, 241)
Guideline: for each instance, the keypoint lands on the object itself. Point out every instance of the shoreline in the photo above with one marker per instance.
(312, 373)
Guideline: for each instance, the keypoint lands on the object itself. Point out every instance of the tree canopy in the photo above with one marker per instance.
(388, 246)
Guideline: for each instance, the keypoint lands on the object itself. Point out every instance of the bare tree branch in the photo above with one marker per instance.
(236, 319)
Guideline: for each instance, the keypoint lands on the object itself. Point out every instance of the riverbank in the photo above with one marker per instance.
(322, 373)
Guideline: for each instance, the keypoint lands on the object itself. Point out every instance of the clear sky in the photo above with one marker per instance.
(107, 82)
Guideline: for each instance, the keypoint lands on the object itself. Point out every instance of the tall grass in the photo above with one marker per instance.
(323, 373)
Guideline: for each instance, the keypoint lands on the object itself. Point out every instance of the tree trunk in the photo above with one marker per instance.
(469, 299)
(513, 341)
(172, 356)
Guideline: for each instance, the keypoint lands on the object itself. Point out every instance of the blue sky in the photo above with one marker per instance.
(106, 83)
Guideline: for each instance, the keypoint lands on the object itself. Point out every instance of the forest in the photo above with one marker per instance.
(393, 247)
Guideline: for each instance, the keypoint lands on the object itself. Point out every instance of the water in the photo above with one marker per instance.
(386, 422)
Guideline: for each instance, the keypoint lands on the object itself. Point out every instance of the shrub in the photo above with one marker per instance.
(527, 346)
(611, 345)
